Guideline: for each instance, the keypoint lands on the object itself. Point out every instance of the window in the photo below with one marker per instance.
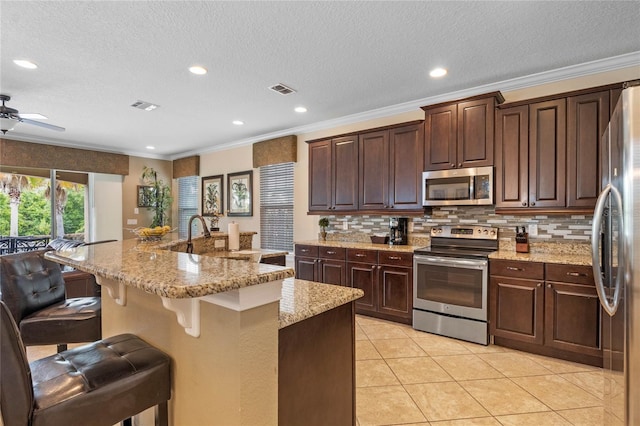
(187, 202)
(276, 207)
(28, 204)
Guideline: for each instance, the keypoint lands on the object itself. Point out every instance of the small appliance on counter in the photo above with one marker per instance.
(398, 231)
(522, 240)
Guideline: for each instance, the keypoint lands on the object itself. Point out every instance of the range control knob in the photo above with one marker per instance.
(486, 232)
(493, 232)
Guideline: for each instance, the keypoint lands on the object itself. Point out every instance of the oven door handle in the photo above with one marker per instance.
(445, 261)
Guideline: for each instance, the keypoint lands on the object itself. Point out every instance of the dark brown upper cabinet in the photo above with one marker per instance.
(377, 171)
(390, 169)
(587, 118)
(460, 134)
(548, 152)
(333, 174)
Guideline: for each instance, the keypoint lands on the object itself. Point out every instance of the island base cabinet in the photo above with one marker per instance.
(316, 372)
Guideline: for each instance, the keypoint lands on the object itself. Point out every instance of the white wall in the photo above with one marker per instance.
(105, 207)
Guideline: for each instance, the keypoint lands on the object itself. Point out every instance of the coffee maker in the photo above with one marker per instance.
(398, 230)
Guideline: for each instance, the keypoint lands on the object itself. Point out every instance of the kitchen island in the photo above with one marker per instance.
(218, 318)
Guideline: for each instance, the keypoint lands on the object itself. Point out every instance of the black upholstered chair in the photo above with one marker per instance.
(33, 289)
(98, 384)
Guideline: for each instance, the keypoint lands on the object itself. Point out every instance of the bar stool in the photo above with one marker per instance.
(98, 384)
(33, 289)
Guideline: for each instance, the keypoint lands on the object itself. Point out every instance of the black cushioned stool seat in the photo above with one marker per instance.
(98, 384)
(33, 289)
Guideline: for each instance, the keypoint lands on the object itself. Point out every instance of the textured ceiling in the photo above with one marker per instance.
(344, 58)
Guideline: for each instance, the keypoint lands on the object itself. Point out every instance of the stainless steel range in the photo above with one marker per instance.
(451, 282)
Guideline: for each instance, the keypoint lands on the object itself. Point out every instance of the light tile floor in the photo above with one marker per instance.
(410, 378)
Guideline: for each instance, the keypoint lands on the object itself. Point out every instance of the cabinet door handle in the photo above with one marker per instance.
(524, 204)
(576, 274)
(359, 255)
(533, 203)
(331, 252)
(373, 267)
(453, 166)
(459, 164)
(548, 285)
(304, 251)
(513, 268)
(395, 258)
(539, 285)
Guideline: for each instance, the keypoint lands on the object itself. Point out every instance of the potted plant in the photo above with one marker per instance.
(323, 222)
(159, 197)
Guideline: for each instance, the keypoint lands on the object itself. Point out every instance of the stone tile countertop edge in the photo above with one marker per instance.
(358, 245)
(166, 273)
(304, 299)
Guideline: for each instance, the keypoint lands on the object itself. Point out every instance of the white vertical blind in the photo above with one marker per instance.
(187, 202)
(276, 207)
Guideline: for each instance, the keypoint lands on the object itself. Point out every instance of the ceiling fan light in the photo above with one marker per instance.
(7, 124)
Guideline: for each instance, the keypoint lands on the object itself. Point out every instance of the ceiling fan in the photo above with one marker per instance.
(9, 117)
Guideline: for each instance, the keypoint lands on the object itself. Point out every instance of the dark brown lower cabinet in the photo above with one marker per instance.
(321, 264)
(387, 281)
(80, 284)
(316, 370)
(555, 314)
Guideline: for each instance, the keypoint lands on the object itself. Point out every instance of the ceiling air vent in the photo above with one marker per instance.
(282, 89)
(147, 106)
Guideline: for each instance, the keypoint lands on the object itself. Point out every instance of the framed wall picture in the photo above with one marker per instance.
(213, 195)
(145, 196)
(240, 193)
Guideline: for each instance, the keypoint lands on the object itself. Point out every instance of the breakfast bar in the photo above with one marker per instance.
(220, 318)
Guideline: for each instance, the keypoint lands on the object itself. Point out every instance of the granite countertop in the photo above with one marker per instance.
(155, 269)
(359, 245)
(562, 253)
(304, 299)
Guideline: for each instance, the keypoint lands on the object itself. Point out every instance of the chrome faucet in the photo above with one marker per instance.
(204, 227)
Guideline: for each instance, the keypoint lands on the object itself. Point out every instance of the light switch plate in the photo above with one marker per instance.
(410, 226)
(345, 225)
(533, 229)
(136, 211)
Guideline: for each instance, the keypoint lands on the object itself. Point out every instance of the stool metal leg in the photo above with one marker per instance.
(162, 414)
(62, 347)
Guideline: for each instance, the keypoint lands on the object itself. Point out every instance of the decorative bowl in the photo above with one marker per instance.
(151, 234)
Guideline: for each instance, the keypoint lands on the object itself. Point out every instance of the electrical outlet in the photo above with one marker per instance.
(533, 229)
(132, 221)
(136, 211)
(345, 225)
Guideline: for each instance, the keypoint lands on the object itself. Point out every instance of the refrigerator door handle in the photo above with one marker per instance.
(609, 307)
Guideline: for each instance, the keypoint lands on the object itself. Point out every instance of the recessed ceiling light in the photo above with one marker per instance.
(197, 69)
(238, 122)
(150, 147)
(438, 72)
(25, 64)
(300, 109)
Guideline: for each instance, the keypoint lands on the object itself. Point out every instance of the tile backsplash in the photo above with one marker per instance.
(551, 228)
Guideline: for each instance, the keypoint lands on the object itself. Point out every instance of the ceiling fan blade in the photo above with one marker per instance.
(45, 125)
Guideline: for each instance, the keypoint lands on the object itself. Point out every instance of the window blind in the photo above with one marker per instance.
(187, 202)
(276, 207)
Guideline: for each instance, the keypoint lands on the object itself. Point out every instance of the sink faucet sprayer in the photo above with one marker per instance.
(204, 227)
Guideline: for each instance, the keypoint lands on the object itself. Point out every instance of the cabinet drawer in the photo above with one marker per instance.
(576, 274)
(306, 250)
(336, 253)
(363, 256)
(394, 258)
(516, 269)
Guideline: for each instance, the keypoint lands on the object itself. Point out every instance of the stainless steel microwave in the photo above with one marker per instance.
(470, 186)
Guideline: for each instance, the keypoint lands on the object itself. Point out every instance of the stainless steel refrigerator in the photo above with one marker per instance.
(616, 250)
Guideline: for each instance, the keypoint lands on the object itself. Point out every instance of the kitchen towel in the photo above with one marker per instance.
(234, 236)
